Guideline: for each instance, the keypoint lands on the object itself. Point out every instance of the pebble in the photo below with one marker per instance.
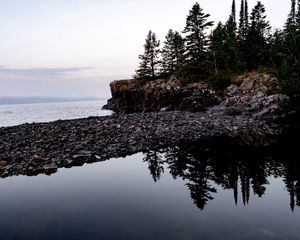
(48, 146)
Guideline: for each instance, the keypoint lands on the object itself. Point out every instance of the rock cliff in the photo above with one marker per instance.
(129, 96)
(254, 95)
(251, 94)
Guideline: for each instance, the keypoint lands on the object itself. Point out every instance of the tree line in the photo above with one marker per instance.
(243, 43)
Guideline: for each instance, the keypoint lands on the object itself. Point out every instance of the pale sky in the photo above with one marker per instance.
(76, 47)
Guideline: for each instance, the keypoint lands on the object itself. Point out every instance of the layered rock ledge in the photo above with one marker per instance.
(131, 96)
(30, 149)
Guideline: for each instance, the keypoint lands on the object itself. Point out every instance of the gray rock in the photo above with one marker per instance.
(251, 98)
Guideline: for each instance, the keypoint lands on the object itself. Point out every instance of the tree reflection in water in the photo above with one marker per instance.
(202, 166)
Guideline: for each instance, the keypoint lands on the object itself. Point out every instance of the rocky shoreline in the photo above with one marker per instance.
(30, 149)
(246, 115)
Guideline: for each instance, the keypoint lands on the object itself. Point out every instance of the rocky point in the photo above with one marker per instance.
(249, 113)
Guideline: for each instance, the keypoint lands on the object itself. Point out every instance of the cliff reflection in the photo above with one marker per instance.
(242, 170)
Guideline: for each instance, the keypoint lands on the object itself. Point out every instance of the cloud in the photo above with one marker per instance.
(39, 72)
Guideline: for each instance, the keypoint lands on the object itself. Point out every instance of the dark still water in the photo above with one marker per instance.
(172, 194)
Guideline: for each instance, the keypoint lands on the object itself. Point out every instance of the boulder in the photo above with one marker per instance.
(251, 95)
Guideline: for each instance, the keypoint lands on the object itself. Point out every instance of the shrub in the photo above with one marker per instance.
(219, 81)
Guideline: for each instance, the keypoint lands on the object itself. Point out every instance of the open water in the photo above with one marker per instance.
(11, 115)
(177, 193)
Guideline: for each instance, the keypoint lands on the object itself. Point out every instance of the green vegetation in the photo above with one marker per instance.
(214, 55)
(150, 58)
(172, 53)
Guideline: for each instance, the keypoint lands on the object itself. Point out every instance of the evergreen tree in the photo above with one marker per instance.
(243, 30)
(289, 70)
(233, 46)
(246, 17)
(244, 21)
(172, 53)
(233, 11)
(150, 59)
(256, 41)
(217, 39)
(292, 32)
(233, 61)
(197, 41)
(298, 27)
(276, 50)
(298, 15)
(224, 47)
(290, 25)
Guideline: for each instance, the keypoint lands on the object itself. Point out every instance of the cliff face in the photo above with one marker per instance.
(129, 96)
(252, 94)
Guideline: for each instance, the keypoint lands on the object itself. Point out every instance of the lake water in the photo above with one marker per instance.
(11, 115)
(178, 193)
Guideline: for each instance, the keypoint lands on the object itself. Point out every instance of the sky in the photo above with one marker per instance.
(74, 48)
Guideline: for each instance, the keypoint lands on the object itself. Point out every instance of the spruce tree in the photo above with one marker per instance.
(290, 25)
(242, 20)
(224, 47)
(172, 53)
(233, 62)
(150, 59)
(256, 41)
(298, 29)
(298, 15)
(217, 40)
(246, 17)
(233, 11)
(197, 41)
(289, 69)
(276, 50)
(292, 31)
(179, 48)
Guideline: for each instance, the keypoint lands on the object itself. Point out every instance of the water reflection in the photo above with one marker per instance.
(241, 170)
(119, 199)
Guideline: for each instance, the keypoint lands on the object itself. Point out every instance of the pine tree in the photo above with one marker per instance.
(289, 69)
(233, 11)
(276, 50)
(298, 28)
(217, 39)
(298, 15)
(197, 41)
(172, 53)
(150, 59)
(242, 20)
(224, 47)
(290, 25)
(292, 32)
(246, 18)
(233, 62)
(257, 36)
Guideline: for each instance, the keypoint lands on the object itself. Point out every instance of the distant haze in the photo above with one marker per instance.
(75, 48)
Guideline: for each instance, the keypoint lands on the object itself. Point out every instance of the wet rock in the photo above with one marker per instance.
(2, 164)
(35, 157)
(50, 168)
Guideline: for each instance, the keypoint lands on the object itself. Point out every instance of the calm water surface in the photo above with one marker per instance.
(11, 115)
(175, 193)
